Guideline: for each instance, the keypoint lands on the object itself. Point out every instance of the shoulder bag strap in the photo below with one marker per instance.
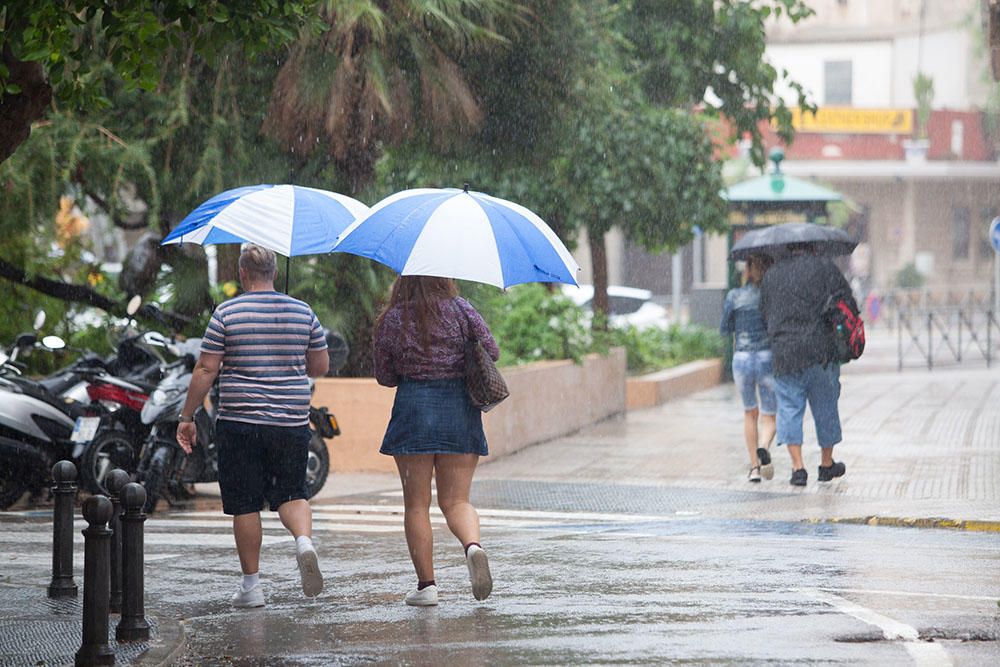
(467, 335)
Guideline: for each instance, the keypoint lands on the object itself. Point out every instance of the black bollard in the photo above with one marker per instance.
(116, 480)
(133, 625)
(96, 584)
(64, 492)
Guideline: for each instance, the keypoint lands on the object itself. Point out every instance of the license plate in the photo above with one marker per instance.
(85, 429)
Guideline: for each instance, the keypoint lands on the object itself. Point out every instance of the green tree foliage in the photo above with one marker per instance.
(552, 104)
(683, 48)
(56, 50)
(383, 71)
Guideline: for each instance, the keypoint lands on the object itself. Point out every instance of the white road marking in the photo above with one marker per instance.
(211, 540)
(521, 514)
(923, 653)
(213, 529)
(869, 591)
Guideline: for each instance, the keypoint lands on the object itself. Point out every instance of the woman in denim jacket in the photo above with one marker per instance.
(752, 369)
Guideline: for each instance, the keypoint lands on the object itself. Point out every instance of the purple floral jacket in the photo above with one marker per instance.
(398, 353)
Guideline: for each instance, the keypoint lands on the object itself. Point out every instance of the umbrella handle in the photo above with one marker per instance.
(288, 266)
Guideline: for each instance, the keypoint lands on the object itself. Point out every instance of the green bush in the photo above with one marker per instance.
(909, 278)
(533, 324)
(654, 349)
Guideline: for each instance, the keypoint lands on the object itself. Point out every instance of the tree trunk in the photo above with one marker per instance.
(227, 258)
(77, 293)
(599, 267)
(19, 111)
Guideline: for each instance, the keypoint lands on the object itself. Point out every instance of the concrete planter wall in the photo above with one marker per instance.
(650, 390)
(547, 399)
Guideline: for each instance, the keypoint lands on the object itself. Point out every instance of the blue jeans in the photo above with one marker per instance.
(820, 387)
(752, 373)
(434, 417)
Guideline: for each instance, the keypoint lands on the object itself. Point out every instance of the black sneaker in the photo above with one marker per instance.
(799, 477)
(829, 472)
(763, 456)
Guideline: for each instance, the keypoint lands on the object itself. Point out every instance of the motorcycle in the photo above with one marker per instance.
(35, 425)
(165, 470)
(61, 416)
(114, 438)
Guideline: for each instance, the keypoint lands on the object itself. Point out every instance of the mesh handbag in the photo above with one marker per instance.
(483, 381)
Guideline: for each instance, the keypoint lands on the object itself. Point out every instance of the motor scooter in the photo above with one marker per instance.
(35, 426)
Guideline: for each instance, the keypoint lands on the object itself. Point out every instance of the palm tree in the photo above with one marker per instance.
(384, 70)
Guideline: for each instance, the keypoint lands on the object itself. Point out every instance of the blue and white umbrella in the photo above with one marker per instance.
(453, 233)
(289, 219)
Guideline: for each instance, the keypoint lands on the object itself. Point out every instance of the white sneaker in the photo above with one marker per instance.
(479, 572)
(312, 578)
(249, 599)
(427, 597)
(754, 475)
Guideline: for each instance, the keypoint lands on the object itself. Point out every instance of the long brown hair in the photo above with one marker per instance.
(760, 262)
(419, 298)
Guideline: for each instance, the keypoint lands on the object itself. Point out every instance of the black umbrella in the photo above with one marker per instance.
(775, 240)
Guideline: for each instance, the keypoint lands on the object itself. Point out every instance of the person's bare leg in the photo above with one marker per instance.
(795, 452)
(750, 434)
(296, 517)
(826, 454)
(768, 427)
(454, 479)
(415, 474)
(249, 536)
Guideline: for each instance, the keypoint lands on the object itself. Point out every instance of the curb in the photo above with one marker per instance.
(915, 522)
(168, 645)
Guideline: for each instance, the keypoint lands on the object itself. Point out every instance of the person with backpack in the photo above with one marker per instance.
(799, 297)
(752, 365)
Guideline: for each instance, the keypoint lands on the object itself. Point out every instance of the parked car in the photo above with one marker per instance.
(630, 306)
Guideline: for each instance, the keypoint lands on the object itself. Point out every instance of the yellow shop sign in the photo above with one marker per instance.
(848, 120)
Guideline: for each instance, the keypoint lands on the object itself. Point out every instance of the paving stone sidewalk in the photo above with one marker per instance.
(921, 448)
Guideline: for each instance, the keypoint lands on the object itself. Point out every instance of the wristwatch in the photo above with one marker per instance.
(184, 420)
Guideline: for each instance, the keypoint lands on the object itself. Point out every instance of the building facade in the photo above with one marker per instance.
(920, 172)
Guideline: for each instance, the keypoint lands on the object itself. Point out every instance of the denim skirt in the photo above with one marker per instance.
(434, 417)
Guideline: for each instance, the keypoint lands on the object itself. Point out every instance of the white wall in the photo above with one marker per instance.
(946, 58)
(872, 69)
(883, 71)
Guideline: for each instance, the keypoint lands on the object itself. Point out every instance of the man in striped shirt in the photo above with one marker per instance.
(263, 346)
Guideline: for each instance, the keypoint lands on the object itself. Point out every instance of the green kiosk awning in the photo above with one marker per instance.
(777, 197)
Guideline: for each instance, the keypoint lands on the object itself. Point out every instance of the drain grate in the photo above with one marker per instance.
(590, 497)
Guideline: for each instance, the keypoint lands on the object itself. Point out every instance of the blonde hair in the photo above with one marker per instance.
(258, 262)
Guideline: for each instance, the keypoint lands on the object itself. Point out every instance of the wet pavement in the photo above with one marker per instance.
(636, 541)
(572, 587)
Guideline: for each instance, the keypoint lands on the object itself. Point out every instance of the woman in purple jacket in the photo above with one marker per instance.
(434, 431)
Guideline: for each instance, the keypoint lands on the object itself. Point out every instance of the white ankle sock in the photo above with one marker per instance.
(303, 541)
(250, 580)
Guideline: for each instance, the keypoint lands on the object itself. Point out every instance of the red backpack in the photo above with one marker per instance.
(847, 328)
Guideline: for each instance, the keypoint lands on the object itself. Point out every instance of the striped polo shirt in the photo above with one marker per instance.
(263, 337)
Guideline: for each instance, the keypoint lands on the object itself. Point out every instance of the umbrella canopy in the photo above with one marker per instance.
(775, 240)
(289, 219)
(454, 233)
